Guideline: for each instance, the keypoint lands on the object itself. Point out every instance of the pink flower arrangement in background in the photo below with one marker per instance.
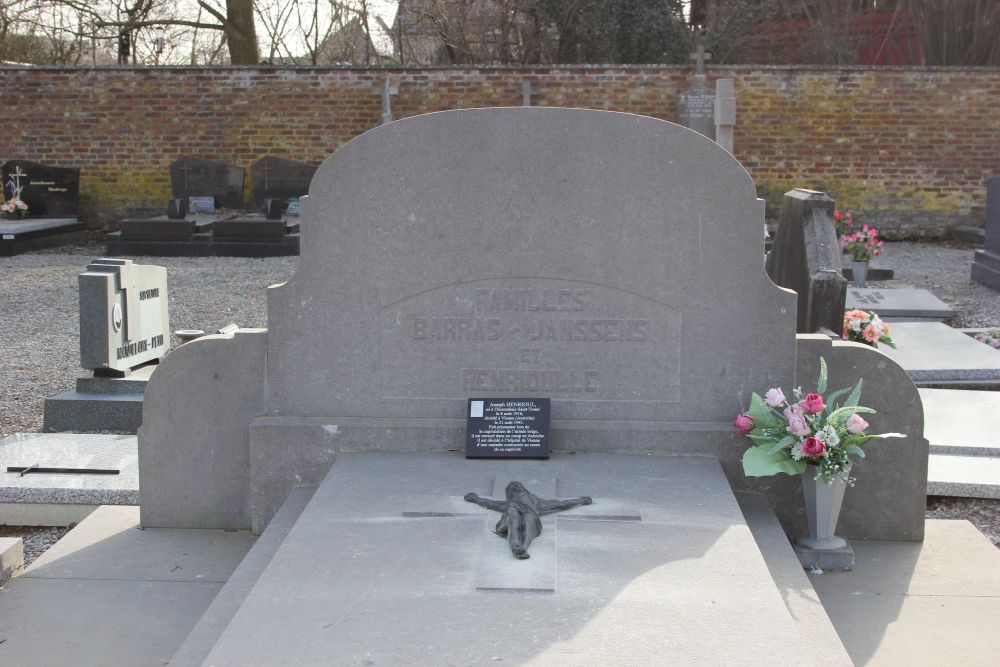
(863, 245)
(860, 326)
(788, 436)
(14, 205)
(843, 222)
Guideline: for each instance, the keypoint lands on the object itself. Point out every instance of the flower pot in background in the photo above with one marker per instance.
(860, 270)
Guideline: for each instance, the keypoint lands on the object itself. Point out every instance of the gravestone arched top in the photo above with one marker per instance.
(594, 257)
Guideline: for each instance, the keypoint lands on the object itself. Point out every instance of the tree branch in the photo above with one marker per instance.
(146, 24)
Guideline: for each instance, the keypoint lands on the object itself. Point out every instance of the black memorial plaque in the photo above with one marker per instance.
(49, 192)
(507, 428)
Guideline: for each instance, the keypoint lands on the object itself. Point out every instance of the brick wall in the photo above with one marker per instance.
(907, 149)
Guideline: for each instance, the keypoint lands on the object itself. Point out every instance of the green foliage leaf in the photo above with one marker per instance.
(758, 462)
(838, 416)
(855, 395)
(763, 416)
(821, 382)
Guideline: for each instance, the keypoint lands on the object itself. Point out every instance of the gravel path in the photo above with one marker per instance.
(39, 321)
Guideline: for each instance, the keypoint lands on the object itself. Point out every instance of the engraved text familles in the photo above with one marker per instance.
(530, 319)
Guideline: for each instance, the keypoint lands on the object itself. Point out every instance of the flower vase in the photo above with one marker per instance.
(860, 270)
(823, 503)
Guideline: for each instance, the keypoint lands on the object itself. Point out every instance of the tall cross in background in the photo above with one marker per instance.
(700, 57)
(15, 182)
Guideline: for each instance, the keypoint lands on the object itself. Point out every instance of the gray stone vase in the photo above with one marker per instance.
(860, 270)
(823, 503)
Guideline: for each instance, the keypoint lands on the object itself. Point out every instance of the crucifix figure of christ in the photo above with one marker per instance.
(519, 521)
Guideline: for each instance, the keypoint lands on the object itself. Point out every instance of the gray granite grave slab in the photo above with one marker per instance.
(933, 351)
(960, 421)
(165, 228)
(392, 589)
(17, 236)
(109, 594)
(898, 303)
(70, 450)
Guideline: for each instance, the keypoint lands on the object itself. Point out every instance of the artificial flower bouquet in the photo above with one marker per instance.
(812, 430)
(842, 221)
(860, 326)
(863, 245)
(14, 205)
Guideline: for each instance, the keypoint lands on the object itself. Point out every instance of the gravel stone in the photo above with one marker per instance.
(40, 327)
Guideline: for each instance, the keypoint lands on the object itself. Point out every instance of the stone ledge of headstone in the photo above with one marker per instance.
(11, 558)
(969, 234)
(213, 622)
(816, 629)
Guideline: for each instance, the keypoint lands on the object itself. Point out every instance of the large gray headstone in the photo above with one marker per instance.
(609, 262)
(806, 258)
(123, 315)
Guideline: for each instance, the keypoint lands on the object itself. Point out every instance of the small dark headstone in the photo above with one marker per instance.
(49, 192)
(986, 263)
(293, 207)
(508, 428)
(197, 177)
(277, 178)
(274, 209)
(176, 209)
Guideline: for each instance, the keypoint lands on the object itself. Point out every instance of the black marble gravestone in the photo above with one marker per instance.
(278, 178)
(192, 176)
(49, 192)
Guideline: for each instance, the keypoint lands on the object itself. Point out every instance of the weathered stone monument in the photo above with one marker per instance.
(806, 258)
(124, 332)
(193, 176)
(986, 264)
(696, 106)
(629, 290)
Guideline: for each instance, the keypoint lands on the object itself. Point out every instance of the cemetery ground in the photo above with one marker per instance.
(39, 329)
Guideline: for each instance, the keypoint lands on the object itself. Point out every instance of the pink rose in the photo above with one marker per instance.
(744, 423)
(813, 403)
(813, 447)
(837, 216)
(774, 397)
(855, 424)
(797, 425)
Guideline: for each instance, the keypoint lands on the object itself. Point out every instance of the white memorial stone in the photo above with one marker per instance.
(123, 315)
